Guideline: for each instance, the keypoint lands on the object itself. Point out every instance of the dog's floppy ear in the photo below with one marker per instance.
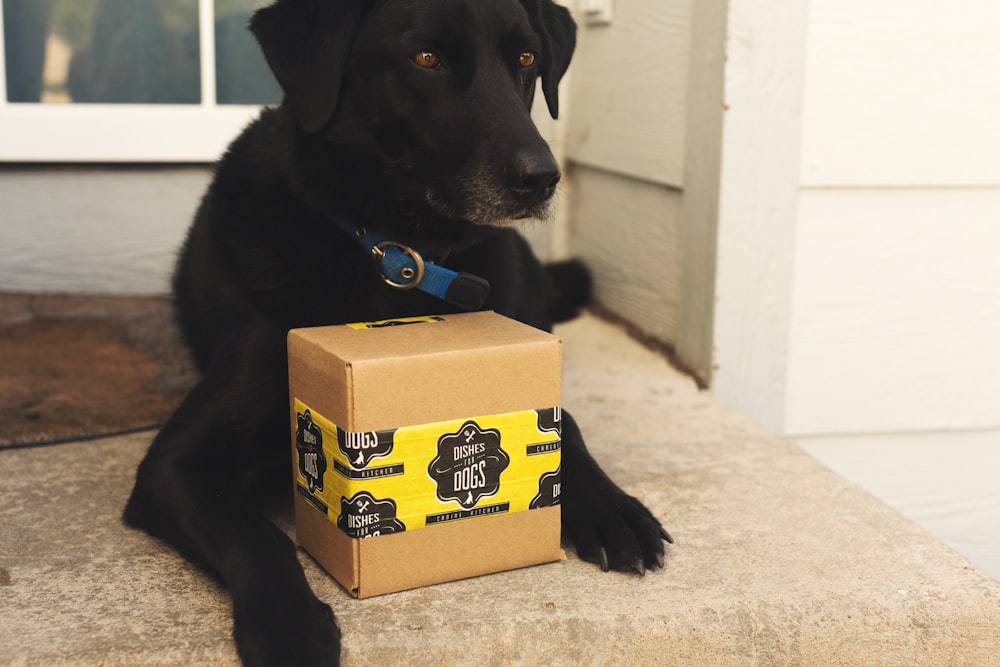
(557, 29)
(307, 44)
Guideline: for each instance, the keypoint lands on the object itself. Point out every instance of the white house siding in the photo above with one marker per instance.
(902, 93)
(98, 230)
(896, 309)
(756, 187)
(627, 231)
(626, 140)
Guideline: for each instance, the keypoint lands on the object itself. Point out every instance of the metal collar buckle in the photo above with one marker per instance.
(412, 275)
(403, 268)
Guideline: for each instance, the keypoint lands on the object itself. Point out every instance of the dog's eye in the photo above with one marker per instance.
(527, 58)
(427, 59)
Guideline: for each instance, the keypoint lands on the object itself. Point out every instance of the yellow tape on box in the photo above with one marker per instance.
(379, 482)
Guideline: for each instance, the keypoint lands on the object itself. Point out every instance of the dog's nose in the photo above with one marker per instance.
(537, 177)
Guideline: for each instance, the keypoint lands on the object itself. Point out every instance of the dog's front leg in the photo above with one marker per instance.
(607, 525)
(220, 460)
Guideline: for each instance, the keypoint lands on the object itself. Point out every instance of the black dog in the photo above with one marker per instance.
(408, 118)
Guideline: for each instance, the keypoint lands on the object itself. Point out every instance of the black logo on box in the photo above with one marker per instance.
(550, 420)
(468, 464)
(309, 444)
(549, 490)
(365, 516)
(361, 447)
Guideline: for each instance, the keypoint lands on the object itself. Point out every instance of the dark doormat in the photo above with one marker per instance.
(78, 367)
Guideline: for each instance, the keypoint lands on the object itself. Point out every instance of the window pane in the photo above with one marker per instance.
(241, 73)
(107, 51)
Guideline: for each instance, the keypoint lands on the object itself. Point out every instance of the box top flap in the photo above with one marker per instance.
(445, 334)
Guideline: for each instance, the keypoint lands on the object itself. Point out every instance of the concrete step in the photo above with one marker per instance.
(778, 561)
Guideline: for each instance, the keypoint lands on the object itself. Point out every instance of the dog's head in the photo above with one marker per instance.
(431, 97)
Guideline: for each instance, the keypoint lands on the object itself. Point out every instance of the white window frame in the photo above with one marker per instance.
(171, 133)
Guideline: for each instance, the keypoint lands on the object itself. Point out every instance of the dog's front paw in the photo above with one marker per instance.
(286, 634)
(615, 530)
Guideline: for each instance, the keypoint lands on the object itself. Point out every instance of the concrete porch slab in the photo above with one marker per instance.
(778, 561)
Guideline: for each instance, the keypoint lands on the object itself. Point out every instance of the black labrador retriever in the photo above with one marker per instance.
(408, 118)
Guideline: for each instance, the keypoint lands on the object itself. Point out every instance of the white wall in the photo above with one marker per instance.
(98, 230)
(902, 93)
(626, 140)
(896, 315)
(756, 190)
(858, 283)
(629, 95)
(896, 309)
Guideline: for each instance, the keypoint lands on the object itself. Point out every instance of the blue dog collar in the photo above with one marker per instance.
(403, 268)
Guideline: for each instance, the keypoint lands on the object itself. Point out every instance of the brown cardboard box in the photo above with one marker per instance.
(426, 449)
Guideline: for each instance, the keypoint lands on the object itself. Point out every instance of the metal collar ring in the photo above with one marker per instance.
(378, 252)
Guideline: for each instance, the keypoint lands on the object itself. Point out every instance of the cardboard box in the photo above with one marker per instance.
(425, 449)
